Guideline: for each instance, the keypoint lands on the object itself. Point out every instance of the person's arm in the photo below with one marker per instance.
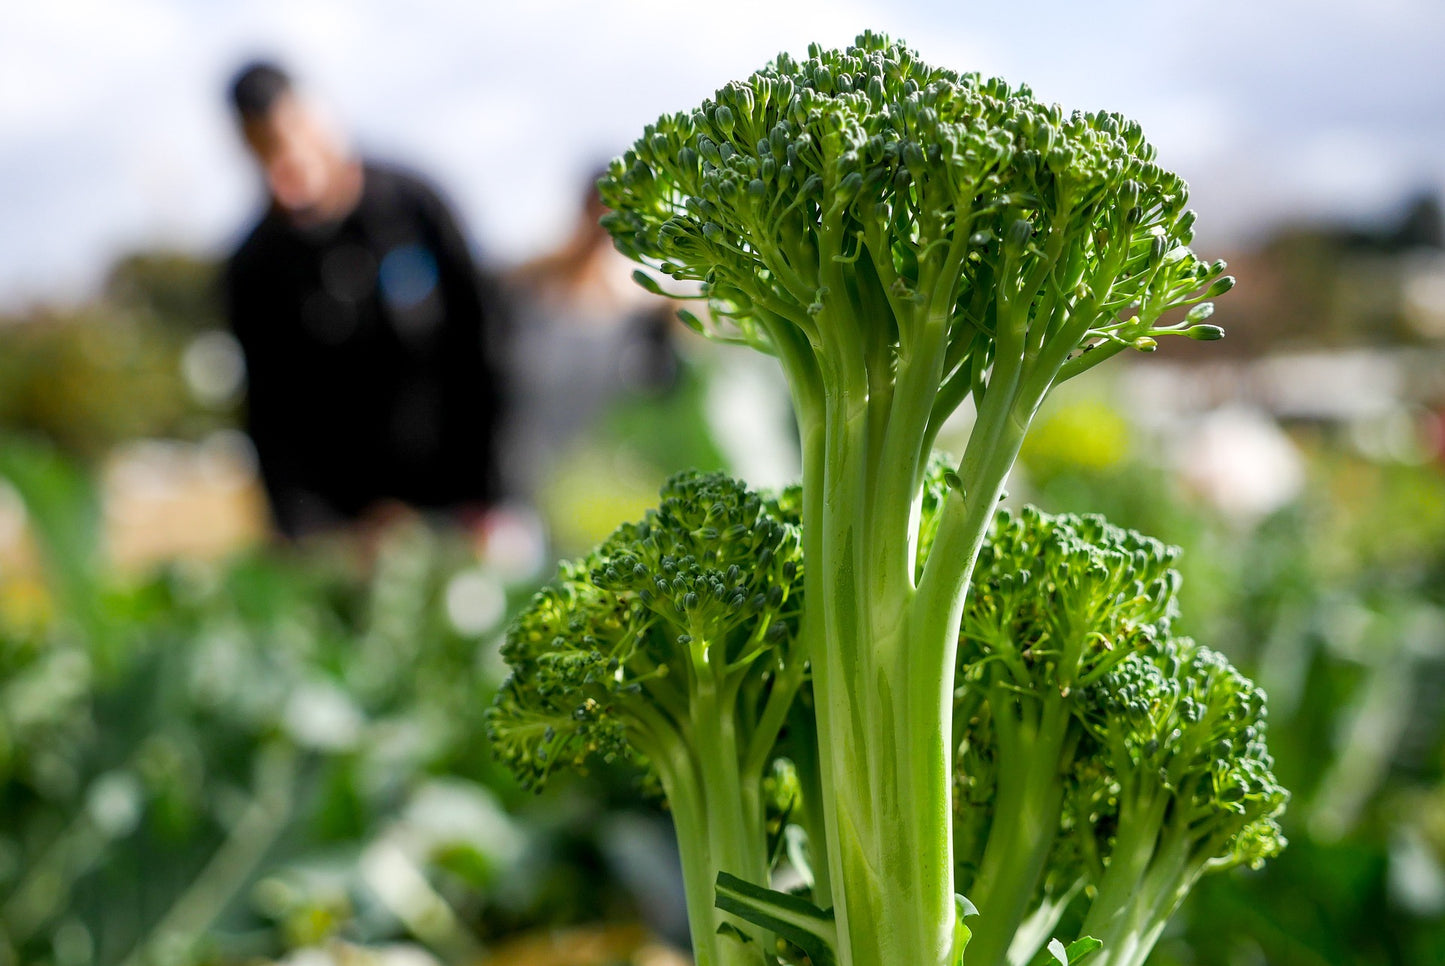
(471, 379)
(252, 313)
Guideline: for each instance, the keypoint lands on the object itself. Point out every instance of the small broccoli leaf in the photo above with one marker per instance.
(1076, 952)
(1081, 949)
(961, 934)
(795, 919)
(648, 282)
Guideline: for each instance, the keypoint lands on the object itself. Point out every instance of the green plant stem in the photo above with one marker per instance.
(707, 829)
(888, 667)
(1028, 805)
(233, 864)
(1112, 916)
(1166, 882)
(735, 822)
(689, 820)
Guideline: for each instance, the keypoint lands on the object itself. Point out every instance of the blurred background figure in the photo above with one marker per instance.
(364, 324)
(585, 337)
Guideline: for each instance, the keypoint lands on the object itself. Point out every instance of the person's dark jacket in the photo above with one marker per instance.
(368, 365)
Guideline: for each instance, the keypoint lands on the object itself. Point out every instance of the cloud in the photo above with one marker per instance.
(115, 133)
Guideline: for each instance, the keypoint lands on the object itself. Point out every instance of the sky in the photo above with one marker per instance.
(114, 133)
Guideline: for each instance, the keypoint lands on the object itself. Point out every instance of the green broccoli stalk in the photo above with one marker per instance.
(673, 644)
(903, 237)
(1186, 788)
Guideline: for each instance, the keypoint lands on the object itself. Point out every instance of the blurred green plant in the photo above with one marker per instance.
(227, 761)
(90, 378)
(110, 369)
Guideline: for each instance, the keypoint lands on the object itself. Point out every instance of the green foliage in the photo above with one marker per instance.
(110, 370)
(220, 771)
(90, 379)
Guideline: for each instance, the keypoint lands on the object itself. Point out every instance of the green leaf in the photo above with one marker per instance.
(1077, 951)
(794, 918)
(64, 513)
(963, 907)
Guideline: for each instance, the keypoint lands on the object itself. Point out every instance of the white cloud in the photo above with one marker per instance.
(113, 131)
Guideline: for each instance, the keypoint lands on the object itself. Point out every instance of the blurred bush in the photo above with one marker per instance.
(131, 363)
(224, 761)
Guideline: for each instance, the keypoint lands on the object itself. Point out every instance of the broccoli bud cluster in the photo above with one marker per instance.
(1059, 600)
(606, 658)
(1178, 719)
(1099, 754)
(943, 192)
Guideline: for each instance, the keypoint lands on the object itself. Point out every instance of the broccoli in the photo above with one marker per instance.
(1057, 602)
(672, 644)
(902, 238)
(1098, 754)
(1183, 779)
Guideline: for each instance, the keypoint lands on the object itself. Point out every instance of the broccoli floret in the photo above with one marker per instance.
(1098, 754)
(672, 645)
(1187, 787)
(1056, 603)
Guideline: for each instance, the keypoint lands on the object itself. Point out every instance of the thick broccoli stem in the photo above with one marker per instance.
(689, 819)
(884, 684)
(715, 796)
(734, 828)
(1123, 885)
(1031, 739)
(884, 666)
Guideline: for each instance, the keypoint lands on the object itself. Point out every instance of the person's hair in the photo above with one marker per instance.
(256, 88)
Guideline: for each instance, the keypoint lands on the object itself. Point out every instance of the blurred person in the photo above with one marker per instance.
(584, 336)
(366, 328)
